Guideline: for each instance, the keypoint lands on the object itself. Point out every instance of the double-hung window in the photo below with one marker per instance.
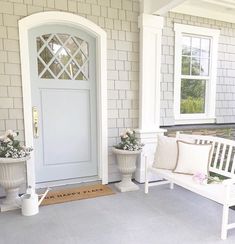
(195, 74)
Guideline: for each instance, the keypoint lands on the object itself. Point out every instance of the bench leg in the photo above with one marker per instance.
(171, 185)
(146, 185)
(224, 229)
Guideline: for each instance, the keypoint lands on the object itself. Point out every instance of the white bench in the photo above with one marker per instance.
(222, 162)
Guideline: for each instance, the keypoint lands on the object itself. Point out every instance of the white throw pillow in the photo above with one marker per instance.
(166, 153)
(192, 158)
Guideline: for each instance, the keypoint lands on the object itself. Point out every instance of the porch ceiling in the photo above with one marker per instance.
(223, 10)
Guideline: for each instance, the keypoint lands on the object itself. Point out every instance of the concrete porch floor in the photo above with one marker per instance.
(163, 216)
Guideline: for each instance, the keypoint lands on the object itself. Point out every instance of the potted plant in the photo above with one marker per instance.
(12, 168)
(126, 153)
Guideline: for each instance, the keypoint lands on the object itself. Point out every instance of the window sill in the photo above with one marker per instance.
(185, 121)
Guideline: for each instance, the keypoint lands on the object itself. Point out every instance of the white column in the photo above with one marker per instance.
(150, 77)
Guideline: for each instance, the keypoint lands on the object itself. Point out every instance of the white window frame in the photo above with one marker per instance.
(210, 97)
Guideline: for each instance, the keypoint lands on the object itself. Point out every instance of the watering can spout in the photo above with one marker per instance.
(43, 196)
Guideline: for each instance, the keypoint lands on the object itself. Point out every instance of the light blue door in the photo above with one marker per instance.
(63, 86)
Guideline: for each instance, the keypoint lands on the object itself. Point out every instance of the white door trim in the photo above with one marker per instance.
(55, 17)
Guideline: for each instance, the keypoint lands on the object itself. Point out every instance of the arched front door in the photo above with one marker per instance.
(63, 94)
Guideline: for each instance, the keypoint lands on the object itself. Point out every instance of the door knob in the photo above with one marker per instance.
(35, 122)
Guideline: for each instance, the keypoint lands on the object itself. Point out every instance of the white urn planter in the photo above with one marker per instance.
(12, 176)
(126, 161)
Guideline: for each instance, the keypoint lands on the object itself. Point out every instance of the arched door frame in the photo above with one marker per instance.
(72, 20)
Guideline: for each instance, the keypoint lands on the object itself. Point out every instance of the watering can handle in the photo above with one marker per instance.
(43, 196)
(29, 190)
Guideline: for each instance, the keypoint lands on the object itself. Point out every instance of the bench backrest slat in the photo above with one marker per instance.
(233, 164)
(215, 164)
(212, 150)
(228, 158)
(222, 159)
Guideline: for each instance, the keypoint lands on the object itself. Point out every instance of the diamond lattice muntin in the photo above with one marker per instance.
(62, 56)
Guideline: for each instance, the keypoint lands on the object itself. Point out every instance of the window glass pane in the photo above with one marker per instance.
(47, 75)
(54, 44)
(80, 58)
(64, 76)
(80, 77)
(204, 67)
(185, 70)
(72, 69)
(63, 37)
(85, 69)
(192, 96)
(46, 55)
(186, 47)
(55, 67)
(205, 48)
(84, 48)
(46, 37)
(196, 46)
(39, 43)
(195, 66)
(63, 56)
(71, 46)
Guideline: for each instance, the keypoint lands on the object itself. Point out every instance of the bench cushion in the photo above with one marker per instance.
(192, 158)
(215, 192)
(166, 152)
(163, 159)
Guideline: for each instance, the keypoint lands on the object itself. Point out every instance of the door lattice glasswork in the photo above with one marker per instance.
(62, 56)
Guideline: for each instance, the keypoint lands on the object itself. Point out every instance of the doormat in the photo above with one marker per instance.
(79, 193)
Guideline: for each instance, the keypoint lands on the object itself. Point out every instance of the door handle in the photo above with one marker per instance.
(35, 122)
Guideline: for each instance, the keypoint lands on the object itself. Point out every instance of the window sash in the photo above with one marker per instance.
(212, 34)
(195, 98)
(190, 60)
(206, 78)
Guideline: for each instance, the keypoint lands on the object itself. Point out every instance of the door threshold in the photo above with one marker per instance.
(67, 182)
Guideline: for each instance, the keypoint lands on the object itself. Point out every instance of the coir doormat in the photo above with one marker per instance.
(79, 193)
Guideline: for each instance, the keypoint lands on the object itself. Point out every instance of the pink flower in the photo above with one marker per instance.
(199, 177)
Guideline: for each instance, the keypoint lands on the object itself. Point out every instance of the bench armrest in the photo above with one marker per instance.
(227, 184)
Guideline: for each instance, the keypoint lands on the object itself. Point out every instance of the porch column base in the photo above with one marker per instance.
(149, 138)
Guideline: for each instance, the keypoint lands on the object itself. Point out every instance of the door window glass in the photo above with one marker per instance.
(62, 56)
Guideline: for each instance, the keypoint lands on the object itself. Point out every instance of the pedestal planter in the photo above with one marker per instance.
(12, 176)
(127, 165)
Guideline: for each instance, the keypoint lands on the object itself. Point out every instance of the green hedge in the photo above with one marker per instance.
(192, 105)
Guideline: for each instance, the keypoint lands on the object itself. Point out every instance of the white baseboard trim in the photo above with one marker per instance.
(67, 182)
